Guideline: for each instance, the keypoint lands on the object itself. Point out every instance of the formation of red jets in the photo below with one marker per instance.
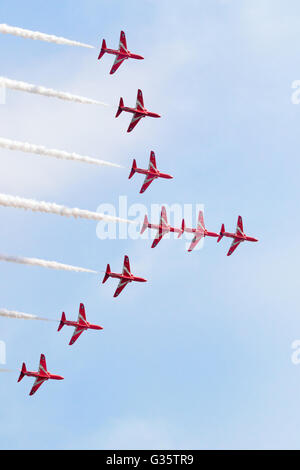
(199, 232)
(162, 228)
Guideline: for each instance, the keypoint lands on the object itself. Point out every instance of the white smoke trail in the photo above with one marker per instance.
(41, 150)
(51, 208)
(36, 35)
(20, 315)
(45, 264)
(40, 90)
(7, 370)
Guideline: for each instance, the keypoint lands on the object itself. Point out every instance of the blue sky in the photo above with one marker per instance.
(200, 356)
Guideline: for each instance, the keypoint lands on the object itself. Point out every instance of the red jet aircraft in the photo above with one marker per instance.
(200, 232)
(80, 326)
(138, 113)
(125, 277)
(238, 236)
(122, 53)
(41, 376)
(163, 227)
(151, 174)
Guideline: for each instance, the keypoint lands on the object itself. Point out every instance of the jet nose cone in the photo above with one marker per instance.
(59, 377)
(154, 115)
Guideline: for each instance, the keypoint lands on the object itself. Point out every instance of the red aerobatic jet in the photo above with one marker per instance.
(80, 326)
(41, 376)
(238, 236)
(200, 232)
(163, 227)
(138, 113)
(121, 54)
(151, 174)
(125, 277)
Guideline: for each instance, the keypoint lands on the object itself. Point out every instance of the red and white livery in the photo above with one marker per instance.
(138, 112)
(238, 237)
(163, 228)
(80, 326)
(151, 174)
(200, 232)
(121, 54)
(41, 376)
(125, 278)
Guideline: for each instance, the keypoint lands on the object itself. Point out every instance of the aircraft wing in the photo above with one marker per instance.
(147, 182)
(195, 241)
(43, 365)
(118, 61)
(37, 385)
(161, 232)
(201, 225)
(126, 267)
(152, 163)
(163, 216)
(163, 227)
(140, 100)
(123, 42)
(239, 227)
(81, 315)
(135, 120)
(78, 331)
(234, 246)
(122, 284)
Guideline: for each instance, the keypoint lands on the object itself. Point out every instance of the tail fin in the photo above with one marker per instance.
(182, 229)
(221, 235)
(121, 105)
(145, 224)
(23, 372)
(134, 167)
(107, 273)
(102, 52)
(62, 321)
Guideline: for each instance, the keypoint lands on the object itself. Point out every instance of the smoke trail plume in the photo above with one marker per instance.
(7, 370)
(20, 315)
(40, 90)
(51, 208)
(45, 264)
(41, 150)
(36, 35)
